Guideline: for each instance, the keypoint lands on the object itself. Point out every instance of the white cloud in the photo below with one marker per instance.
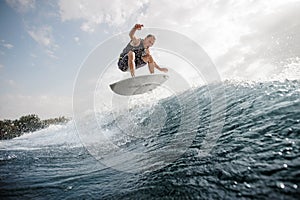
(93, 12)
(33, 55)
(6, 45)
(11, 83)
(21, 6)
(51, 54)
(9, 46)
(46, 106)
(76, 39)
(44, 37)
(235, 34)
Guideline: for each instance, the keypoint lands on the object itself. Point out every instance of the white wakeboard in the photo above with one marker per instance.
(138, 85)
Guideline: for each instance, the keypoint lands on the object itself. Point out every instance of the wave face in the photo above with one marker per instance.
(256, 154)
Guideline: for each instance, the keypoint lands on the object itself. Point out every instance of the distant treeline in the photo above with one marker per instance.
(14, 128)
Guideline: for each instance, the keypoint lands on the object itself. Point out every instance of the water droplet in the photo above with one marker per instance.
(281, 185)
(285, 165)
(279, 153)
(249, 168)
(69, 187)
(295, 186)
(235, 182)
(9, 157)
(287, 139)
(247, 185)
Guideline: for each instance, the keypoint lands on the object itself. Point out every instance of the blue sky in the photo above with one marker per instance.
(40, 56)
(44, 52)
(44, 43)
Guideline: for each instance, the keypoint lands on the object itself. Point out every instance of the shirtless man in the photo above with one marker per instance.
(136, 54)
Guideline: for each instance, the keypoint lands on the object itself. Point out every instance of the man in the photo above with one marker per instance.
(136, 54)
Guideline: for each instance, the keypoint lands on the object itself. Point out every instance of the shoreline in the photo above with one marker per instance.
(10, 129)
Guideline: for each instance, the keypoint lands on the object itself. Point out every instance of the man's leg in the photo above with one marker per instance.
(151, 67)
(123, 63)
(131, 64)
(151, 63)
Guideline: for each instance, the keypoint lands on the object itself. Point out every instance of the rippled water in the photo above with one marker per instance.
(255, 156)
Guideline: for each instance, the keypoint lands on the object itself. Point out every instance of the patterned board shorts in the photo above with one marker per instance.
(123, 63)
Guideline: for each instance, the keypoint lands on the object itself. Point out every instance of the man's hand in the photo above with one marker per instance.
(138, 26)
(164, 70)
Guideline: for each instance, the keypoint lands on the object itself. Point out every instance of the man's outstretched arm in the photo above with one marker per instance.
(162, 69)
(152, 64)
(135, 40)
